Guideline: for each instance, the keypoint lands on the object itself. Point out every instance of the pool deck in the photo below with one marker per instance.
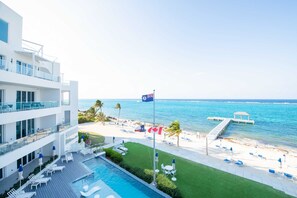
(60, 185)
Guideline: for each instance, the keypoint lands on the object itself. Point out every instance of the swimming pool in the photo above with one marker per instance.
(112, 182)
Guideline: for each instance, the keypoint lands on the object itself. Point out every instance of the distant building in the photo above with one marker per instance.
(37, 109)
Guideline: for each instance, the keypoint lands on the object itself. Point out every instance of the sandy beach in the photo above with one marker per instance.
(258, 158)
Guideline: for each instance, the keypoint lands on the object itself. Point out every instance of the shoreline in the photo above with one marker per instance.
(193, 147)
(244, 140)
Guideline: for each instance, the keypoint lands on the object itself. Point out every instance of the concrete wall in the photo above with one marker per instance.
(15, 25)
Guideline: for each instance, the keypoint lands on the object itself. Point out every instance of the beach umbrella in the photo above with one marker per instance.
(20, 174)
(54, 151)
(280, 162)
(173, 164)
(40, 160)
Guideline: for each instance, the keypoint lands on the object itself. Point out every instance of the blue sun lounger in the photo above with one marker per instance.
(239, 163)
(289, 176)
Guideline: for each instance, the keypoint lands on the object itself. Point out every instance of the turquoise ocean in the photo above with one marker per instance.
(275, 120)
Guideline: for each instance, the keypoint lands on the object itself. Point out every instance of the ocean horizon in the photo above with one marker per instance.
(275, 119)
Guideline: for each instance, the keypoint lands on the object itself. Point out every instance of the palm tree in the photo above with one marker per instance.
(174, 130)
(118, 106)
(98, 105)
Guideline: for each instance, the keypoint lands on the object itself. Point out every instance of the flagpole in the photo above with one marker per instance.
(154, 182)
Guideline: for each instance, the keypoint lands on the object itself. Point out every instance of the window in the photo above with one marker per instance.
(65, 98)
(1, 173)
(31, 156)
(25, 160)
(1, 134)
(30, 126)
(1, 96)
(2, 62)
(24, 128)
(18, 66)
(19, 162)
(18, 130)
(3, 31)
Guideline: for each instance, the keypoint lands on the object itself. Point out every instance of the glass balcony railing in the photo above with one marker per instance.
(37, 135)
(2, 64)
(29, 71)
(24, 106)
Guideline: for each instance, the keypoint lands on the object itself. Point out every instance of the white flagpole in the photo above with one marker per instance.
(154, 182)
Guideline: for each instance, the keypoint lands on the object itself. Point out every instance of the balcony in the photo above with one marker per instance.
(7, 107)
(29, 71)
(40, 134)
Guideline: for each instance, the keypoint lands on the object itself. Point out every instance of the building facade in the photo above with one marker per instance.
(38, 111)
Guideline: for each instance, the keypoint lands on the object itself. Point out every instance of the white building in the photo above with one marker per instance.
(37, 109)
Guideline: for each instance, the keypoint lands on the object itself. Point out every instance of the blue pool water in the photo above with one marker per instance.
(275, 120)
(113, 181)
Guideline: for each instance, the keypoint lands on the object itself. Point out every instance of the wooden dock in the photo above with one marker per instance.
(220, 128)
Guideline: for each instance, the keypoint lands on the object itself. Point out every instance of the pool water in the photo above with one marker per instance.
(112, 182)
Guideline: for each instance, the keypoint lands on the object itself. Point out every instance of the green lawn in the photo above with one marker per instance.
(196, 180)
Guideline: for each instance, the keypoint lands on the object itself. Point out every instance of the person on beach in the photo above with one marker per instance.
(113, 139)
(284, 155)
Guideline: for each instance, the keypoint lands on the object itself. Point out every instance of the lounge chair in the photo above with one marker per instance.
(227, 160)
(123, 148)
(239, 163)
(49, 170)
(119, 151)
(68, 157)
(173, 172)
(289, 176)
(22, 194)
(86, 151)
(57, 168)
(90, 192)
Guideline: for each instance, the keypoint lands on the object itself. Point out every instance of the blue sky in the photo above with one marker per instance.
(183, 49)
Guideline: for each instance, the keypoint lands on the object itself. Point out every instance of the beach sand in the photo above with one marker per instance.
(192, 143)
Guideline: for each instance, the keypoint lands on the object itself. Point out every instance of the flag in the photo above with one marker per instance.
(148, 98)
(155, 130)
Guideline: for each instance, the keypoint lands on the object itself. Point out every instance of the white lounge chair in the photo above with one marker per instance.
(119, 151)
(90, 192)
(123, 148)
(57, 168)
(22, 194)
(86, 151)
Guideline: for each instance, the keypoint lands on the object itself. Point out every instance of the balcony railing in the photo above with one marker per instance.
(25, 106)
(39, 134)
(29, 71)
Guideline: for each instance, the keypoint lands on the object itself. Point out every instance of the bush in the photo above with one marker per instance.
(116, 157)
(167, 186)
(144, 174)
(113, 155)
(108, 152)
(84, 119)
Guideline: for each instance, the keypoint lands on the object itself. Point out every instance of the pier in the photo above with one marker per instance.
(220, 128)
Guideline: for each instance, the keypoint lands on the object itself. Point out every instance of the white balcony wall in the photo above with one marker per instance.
(50, 95)
(12, 156)
(25, 115)
(47, 122)
(9, 132)
(15, 23)
(15, 78)
(11, 91)
(11, 168)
